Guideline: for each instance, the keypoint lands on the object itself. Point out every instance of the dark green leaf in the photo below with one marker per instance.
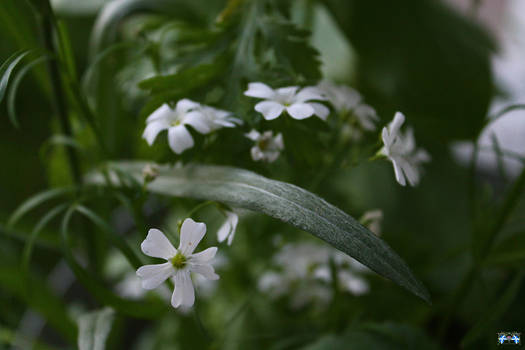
(7, 68)
(495, 312)
(94, 328)
(11, 95)
(286, 202)
(35, 201)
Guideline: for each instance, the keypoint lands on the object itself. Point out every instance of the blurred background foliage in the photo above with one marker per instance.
(417, 56)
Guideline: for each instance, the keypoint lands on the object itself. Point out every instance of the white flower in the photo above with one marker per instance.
(203, 119)
(401, 150)
(347, 100)
(218, 118)
(372, 219)
(289, 99)
(180, 261)
(267, 147)
(227, 230)
(305, 274)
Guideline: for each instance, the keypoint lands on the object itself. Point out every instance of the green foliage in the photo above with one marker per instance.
(286, 202)
(6, 69)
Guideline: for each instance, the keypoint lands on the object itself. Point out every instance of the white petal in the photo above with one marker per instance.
(179, 139)
(191, 233)
(153, 129)
(400, 177)
(270, 157)
(256, 153)
(204, 269)
(198, 121)
(278, 141)
(309, 93)
(227, 230)
(157, 245)
(259, 90)
(204, 256)
(300, 111)
(163, 112)
(253, 135)
(269, 109)
(410, 171)
(185, 105)
(287, 93)
(183, 294)
(320, 110)
(366, 115)
(153, 275)
(387, 141)
(395, 125)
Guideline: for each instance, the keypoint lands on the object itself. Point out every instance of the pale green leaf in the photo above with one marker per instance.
(283, 201)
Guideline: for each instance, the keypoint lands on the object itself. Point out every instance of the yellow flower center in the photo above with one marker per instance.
(178, 261)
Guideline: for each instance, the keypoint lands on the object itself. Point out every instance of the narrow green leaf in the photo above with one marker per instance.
(42, 223)
(11, 95)
(496, 311)
(509, 252)
(7, 68)
(35, 201)
(36, 294)
(283, 201)
(94, 328)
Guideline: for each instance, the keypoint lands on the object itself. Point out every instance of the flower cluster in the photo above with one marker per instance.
(303, 272)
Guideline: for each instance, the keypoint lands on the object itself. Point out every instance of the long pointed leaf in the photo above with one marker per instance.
(283, 201)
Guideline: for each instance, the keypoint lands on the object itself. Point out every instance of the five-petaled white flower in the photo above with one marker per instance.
(347, 100)
(227, 230)
(401, 150)
(203, 119)
(295, 102)
(180, 261)
(267, 147)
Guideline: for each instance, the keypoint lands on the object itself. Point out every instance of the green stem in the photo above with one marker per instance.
(47, 24)
(506, 209)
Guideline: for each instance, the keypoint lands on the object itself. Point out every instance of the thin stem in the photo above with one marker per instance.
(506, 209)
(47, 27)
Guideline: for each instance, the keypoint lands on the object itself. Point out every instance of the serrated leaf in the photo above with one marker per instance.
(6, 69)
(291, 47)
(105, 27)
(283, 201)
(94, 328)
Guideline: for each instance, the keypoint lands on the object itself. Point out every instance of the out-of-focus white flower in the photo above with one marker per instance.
(203, 119)
(227, 230)
(401, 150)
(372, 219)
(150, 172)
(347, 100)
(180, 262)
(288, 99)
(304, 274)
(267, 147)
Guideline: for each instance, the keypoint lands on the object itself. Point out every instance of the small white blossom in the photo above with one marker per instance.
(288, 99)
(179, 262)
(347, 100)
(203, 119)
(304, 273)
(401, 150)
(227, 230)
(267, 147)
